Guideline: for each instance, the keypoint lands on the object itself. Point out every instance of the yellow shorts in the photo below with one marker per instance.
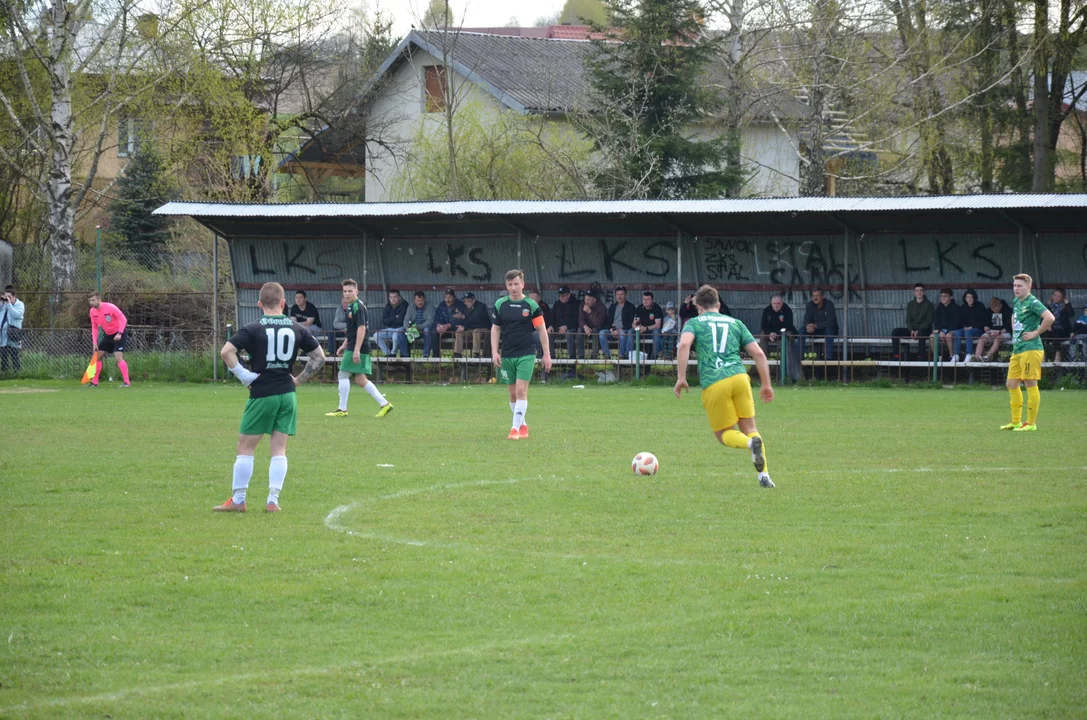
(728, 400)
(1026, 365)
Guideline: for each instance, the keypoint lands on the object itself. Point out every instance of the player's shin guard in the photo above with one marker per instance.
(765, 462)
(734, 439)
(1017, 405)
(519, 409)
(1034, 399)
(373, 392)
(124, 370)
(277, 473)
(344, 381)
(243, 470)
(97, 371)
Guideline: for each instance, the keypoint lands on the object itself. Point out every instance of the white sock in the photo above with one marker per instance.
(277, 473)
(519, 409)
(243, 470)
(513, 406)
(373, 392)
(345, 388)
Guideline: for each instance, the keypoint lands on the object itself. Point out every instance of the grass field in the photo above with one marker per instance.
(912, 561)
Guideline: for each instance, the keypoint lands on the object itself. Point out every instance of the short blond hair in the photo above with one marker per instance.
(707, 297)
(1025, 278)
(271, 296)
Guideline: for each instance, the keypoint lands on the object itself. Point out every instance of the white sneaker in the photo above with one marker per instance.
(765, 481)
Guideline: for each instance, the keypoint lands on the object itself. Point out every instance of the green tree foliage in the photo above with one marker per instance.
(501, 155)
(439, 14)
(144, 186)
(647, 94)
(582, 12)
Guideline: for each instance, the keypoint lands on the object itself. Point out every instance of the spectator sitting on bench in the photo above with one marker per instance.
(339, 328)
(1062, 326)
(946, 321)
(648, 320)
(1079, 338)
(669, 331)
(777, 324)
(421, 317)
(919, 313)
(687, 311)
(564, 316)
(996, 330)
(590, 320)
(392, 332)
(618, 325)
(549, 321)
(477, 321)
(820, 320)
(305, 313)
(449, 317)
(974, 315)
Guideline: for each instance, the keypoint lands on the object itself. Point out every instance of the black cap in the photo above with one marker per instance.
(449, 291)
(469, 296)
(563, 290)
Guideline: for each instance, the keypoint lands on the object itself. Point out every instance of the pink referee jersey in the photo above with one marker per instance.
(108, 317)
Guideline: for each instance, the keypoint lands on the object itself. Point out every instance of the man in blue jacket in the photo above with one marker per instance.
(392, 326)
(12, 311)
(449, 317)
(820, 319)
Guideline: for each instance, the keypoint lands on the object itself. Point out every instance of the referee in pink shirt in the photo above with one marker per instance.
(114, 324)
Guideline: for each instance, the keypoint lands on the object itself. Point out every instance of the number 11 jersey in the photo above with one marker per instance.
(273, 343)
(717, 340)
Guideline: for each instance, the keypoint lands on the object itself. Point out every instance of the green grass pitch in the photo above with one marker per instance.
(913, 561)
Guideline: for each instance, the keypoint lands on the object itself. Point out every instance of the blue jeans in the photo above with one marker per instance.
(626, 341)
(386, 337)
(335, 337)
(428, 341)
(969, 335)
(829, 340)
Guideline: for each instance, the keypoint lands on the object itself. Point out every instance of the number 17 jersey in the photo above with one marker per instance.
(273, 343)
(717, 340)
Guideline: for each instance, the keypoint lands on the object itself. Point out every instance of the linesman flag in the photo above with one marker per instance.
(89, 375)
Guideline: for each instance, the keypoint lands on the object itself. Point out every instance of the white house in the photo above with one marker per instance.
(536, 75)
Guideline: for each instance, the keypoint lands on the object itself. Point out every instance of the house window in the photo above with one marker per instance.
(128, 137)
(434, 88)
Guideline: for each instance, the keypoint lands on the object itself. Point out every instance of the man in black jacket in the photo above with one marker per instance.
(549, 322)
(820, 320)
(918, 323)
(564, 317)
(946, 320)
(392, 326)
(777, 321)
(477, 323)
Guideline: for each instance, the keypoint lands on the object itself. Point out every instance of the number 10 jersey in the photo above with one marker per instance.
(273, 343)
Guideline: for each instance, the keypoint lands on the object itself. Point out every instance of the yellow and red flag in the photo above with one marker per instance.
(89, 375)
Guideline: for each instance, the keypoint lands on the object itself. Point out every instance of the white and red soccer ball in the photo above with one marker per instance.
(645, 464)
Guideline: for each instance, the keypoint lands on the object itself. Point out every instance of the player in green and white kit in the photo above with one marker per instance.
(514, 320)
(358, 361)
(726, 387)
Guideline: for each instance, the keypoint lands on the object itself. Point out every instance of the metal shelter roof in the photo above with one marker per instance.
(1040, 213)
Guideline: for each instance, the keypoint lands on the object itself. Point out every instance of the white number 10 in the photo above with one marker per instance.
(719, 346)
(280, 344)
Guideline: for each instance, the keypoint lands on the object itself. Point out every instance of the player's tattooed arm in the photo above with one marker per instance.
(313, 365)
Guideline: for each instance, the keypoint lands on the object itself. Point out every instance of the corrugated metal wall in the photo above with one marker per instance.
(881, 268)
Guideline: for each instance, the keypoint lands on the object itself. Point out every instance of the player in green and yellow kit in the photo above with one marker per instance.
(726, 387)
(1030, 318)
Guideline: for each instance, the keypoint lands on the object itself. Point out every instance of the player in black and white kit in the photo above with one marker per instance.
(273, 343)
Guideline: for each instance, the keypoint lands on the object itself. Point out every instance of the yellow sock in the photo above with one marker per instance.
(734, 439)
(1017, 405)
(1034, 399)
(766, 467)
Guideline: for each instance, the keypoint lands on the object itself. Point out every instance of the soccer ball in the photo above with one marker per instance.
(645, 464)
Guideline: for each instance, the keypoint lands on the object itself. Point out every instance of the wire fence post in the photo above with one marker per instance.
(784, 359)
(98, 258)
(638, 347)
(214, 301)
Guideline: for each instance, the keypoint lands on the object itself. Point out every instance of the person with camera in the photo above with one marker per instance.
(12, 311)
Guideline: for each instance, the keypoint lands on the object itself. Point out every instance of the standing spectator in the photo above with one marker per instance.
(974, 315)
(820, 320)
(12, 311)
(919, 312)
(590, 321)
(946, 320)
(997, 328)
(1062, 325)
(564, 317)
(477, 321)
(419, 321)
(114, 325)
(392, 326)
(777, 324)
(549, 321)
(648, 320)
(687, 311)
(1079, 337)
(339, 327)
(304, 313)
(619, 325)
(669, 331)
(449, 317)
